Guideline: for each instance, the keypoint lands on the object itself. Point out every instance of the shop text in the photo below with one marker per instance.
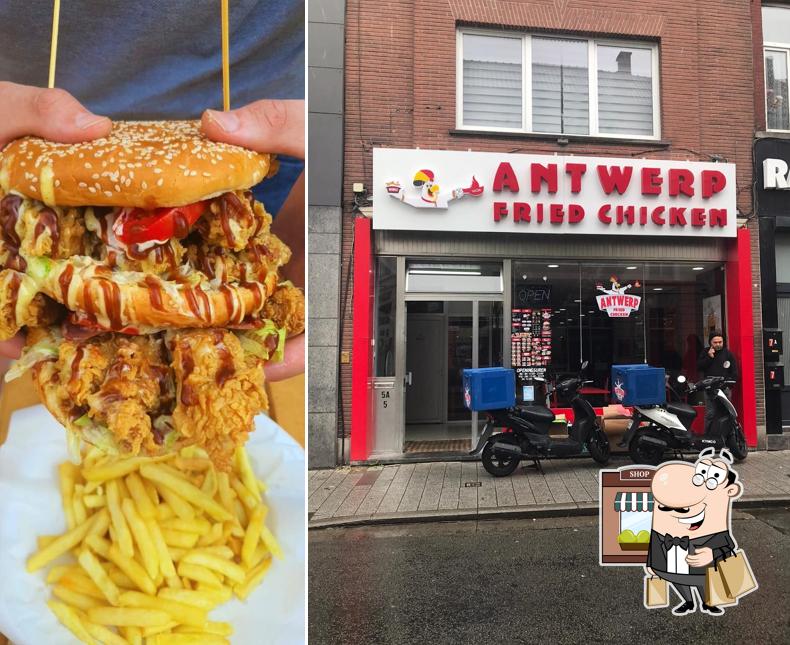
(612, 180)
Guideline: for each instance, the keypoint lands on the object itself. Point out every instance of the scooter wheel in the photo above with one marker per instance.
(643, 452)
(598, 445)
(736, 442)
(499, 465)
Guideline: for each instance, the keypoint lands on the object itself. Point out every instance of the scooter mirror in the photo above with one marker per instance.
(681, 379)
(584, 365)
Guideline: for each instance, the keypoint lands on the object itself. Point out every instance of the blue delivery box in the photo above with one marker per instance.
(639, 384)
(489, 388)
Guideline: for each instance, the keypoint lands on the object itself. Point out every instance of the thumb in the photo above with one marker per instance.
(52, 114)
(274, 126)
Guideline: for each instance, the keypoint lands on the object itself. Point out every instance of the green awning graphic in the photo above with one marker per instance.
(633, 502)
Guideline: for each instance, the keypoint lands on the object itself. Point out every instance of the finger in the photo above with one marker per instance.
(48, 113)
(265, 126)
(292, 363)
(12, 348)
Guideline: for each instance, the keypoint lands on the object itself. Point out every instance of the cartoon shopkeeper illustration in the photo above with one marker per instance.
(691, 546)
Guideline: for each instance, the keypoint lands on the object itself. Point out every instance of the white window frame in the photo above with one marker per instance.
(780, 48)
(526, 80)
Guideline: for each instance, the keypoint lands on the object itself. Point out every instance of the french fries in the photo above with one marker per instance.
(155, 545)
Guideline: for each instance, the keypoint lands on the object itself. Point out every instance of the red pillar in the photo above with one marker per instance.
(362, 354)
(740, 330)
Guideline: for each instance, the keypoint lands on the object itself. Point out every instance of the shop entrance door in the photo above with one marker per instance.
(451, 321)
(426, 368)
(444, 337)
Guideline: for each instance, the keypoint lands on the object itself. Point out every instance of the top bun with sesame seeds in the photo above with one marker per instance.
(143, 164)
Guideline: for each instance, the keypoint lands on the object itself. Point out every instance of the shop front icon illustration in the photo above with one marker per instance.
(675, 521)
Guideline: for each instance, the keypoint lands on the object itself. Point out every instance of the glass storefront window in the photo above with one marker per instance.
(422, 277)
(684, 304)
(613, 306)
(386, 292)
(612, 313)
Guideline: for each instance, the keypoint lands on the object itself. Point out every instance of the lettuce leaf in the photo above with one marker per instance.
(43, 350)
(101, 437)
(95, 434)
(253, 341)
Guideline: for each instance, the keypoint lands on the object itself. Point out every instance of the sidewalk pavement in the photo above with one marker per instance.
(464, 490)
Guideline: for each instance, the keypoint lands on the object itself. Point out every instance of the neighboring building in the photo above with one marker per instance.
(772, 197)
(325, 122)
(442, 97)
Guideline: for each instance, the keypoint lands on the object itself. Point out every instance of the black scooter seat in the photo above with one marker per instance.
(682, 410)
(537, 413)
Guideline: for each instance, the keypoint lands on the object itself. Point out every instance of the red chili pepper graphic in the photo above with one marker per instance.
(474, 189)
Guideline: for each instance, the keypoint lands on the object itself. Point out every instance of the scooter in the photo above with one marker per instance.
(656, 429)
(527, 432)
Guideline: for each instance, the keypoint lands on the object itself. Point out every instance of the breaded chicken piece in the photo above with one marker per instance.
(40, 311)
(233, 221)
(120, 382)
(264, 254)
(82, 367)
(286, 308)
(162, 260)
(51, 231)
(130, 391)
(219, 392)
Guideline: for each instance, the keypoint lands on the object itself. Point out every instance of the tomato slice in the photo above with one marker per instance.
(136, 226)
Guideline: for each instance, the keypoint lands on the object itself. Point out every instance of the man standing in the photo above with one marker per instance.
(691, 525)
(716, 360)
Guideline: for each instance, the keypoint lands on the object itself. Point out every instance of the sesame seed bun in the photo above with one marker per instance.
(146, 164)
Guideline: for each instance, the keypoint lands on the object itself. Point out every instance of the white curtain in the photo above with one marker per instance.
(492, 81)
(560, 86)
(625, 91)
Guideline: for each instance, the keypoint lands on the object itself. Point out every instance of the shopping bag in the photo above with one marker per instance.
(656, 592)
(716, 592)
(737, 575)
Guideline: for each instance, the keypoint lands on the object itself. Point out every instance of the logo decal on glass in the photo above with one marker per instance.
(615, 301)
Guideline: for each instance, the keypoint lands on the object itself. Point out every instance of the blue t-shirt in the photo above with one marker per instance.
(161, 59)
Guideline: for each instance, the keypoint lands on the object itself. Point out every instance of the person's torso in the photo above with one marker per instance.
(161, 59)
(156, 59)
(723, 364)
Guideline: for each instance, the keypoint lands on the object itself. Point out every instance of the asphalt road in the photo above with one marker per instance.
(523, 581)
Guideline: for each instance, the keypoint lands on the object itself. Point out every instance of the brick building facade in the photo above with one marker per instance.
(401, 92)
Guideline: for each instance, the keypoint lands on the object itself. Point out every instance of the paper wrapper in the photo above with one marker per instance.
(30, 506)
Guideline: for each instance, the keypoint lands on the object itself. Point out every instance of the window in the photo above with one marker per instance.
(386, 297)
(429, 277)
(557, 85)
(558, 318)
(776, 38)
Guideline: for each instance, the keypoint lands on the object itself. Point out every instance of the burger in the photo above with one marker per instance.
(149, 284)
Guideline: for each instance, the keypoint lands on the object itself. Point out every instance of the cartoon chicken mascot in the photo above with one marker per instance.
(430, 195)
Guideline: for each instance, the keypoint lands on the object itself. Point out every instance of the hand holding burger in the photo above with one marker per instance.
(273, 126)
(149, 281)
(50, 113)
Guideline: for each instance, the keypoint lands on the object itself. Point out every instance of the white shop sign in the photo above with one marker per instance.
(444, 190)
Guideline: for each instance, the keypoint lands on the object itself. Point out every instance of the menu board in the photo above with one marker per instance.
(531, 342)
